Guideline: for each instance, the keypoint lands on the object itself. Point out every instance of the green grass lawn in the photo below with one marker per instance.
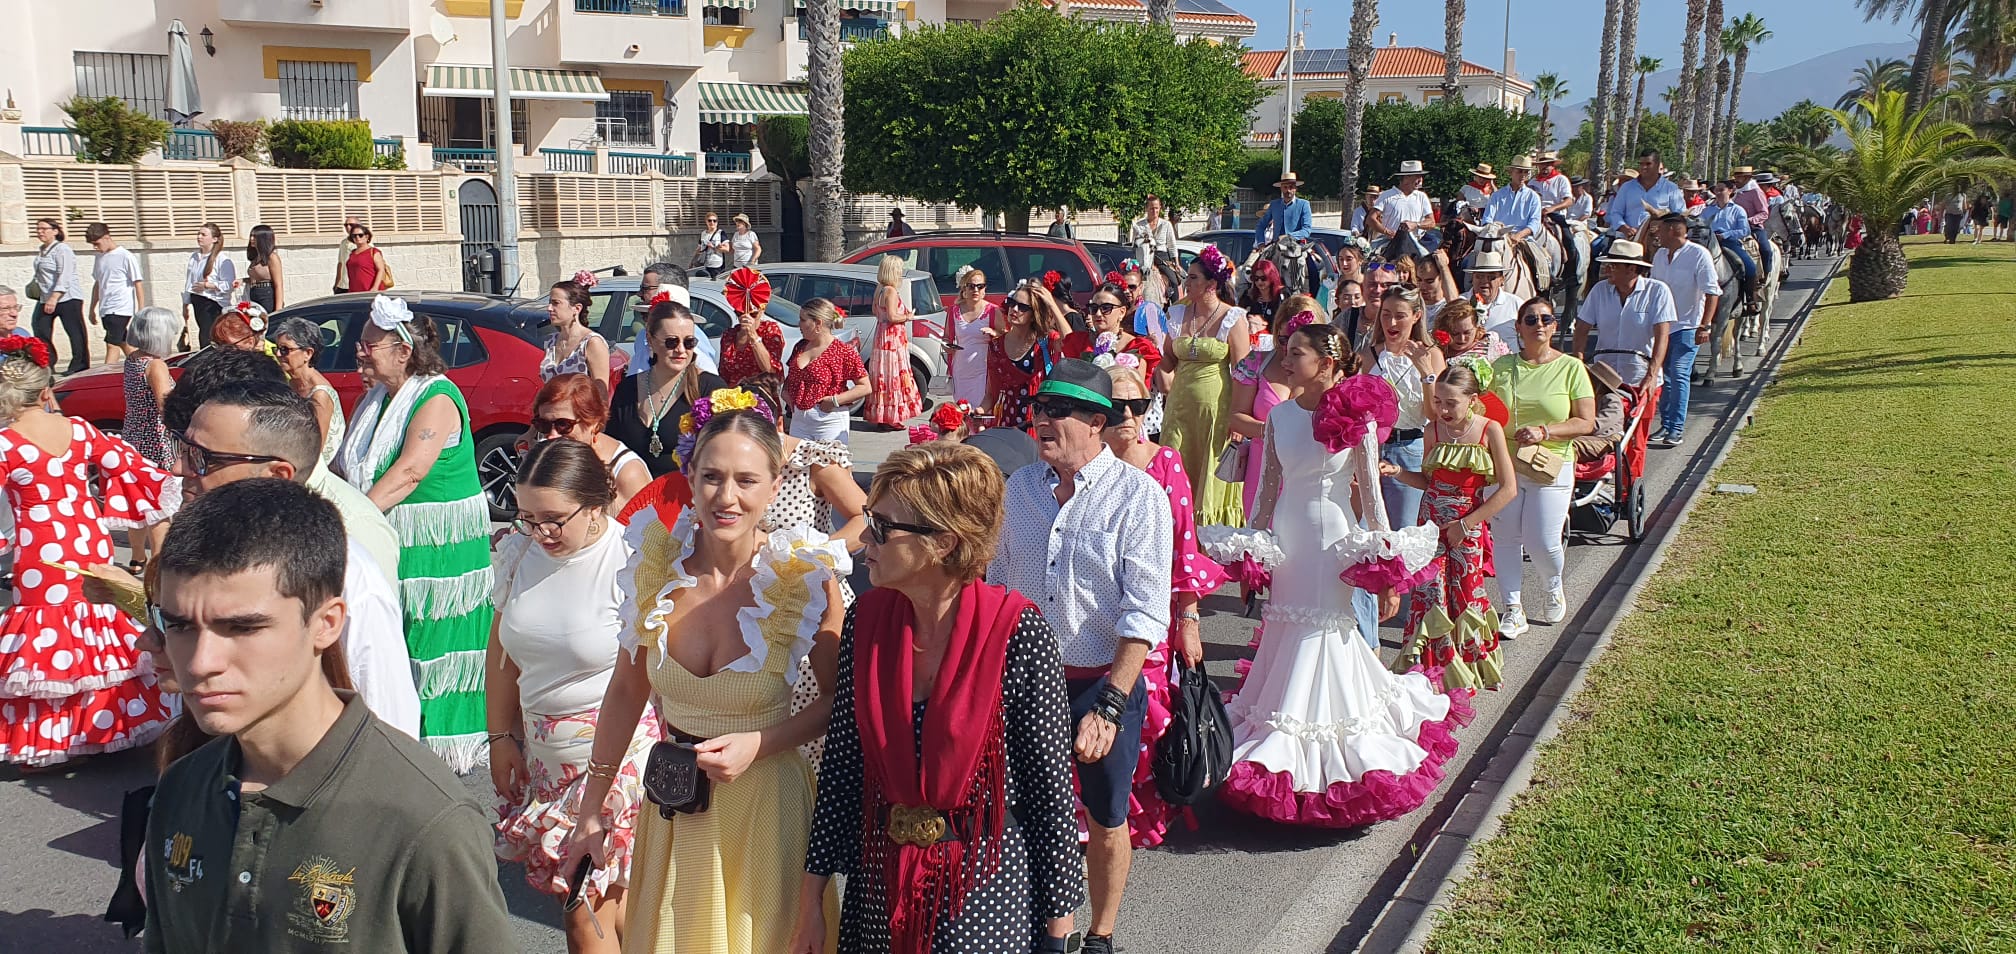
(1801, 738)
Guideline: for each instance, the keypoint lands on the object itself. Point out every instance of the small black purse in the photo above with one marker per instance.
(674, 782)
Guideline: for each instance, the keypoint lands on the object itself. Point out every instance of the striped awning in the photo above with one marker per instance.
(731, 4)
(477, 81)
(748, 102)
(886, 9)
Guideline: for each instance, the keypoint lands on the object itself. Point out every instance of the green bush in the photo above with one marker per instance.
(1263, 169)
(394, 160)
(110, 131)
(321, 144)
(247, 139)
(1447, 137)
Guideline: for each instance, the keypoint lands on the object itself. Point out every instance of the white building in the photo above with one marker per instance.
(646, 77)
(1399, 74)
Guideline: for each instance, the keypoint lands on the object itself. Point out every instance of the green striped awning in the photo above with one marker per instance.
(747, 102)
(731, 4)
(477, 81)
(886, 9)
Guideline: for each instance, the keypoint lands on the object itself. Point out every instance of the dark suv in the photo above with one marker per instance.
(1006, 258)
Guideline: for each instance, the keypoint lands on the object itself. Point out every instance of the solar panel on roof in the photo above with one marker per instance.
(1205, 6)
(1322, 61)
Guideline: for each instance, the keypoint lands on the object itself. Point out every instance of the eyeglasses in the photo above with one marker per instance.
(563, 426)
(1133, 287)
(544, 528)
(688, 343)
(285, 349)
(363, 348)
(1535, 321)
(1017, 304)
(879, 527)
(202, 461)
(1103, 307)
(976, 286)
(1059, 410)
(1137, 407)
(238, 342)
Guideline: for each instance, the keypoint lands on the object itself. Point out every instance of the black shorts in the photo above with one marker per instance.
(115, 328)
(1105, 786)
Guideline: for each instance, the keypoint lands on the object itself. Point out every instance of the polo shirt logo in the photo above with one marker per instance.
(183, 867)
(326, 900)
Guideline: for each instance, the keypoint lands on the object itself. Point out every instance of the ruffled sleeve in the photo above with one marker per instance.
(650, 576)
(1247, 371)
(1230, 545)
(792, 568)
(816, 454)
(134, 493)
(1193, 571)
(1377, 558)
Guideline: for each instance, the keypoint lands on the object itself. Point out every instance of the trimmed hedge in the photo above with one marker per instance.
(321, 144)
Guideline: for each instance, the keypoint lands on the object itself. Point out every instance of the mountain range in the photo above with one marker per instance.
(1821, 79)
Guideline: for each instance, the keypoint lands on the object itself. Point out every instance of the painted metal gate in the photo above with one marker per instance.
(481, 271)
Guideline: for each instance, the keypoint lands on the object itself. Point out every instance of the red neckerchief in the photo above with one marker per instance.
(1549, 174)
(963, 771)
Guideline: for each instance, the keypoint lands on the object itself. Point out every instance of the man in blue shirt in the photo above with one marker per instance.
(1287, 215)
(1731, 225)
(1516, 206)
(1627, 211)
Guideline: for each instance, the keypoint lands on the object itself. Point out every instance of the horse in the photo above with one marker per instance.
(1837, 228)
(1813, 228)
(1296, 259)
(1576, 258)
(1729, 275)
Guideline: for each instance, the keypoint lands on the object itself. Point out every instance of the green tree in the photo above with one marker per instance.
(1804, 123)
(1452, 49)
(1351, 158)
(1609, 73)
(1646, 66)
(1547, 87)
(110, 131)
(1896, 156)
(1655, 131)
(1032, 109)
(1874, 76)
(1706, 118)
(1682, 102)
(1744, 33)
(1447, 137)
(1620, 107)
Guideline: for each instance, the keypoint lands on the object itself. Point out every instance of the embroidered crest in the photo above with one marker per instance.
(325, 903)
(182, 865)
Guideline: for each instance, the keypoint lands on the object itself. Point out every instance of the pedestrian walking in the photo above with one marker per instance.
(1210, 337)
(711, 256)
(646, 409)
(1956, 214)
(209, 285)
(824, 376)
(58, 294)
(308, 768)
(265, 279)
(1689, 276)
(898, 228)
(573, 347)
(1632, 315)
(1021, 354)
(1979, 215)
(1060, 226)
(745, 249)
(894, 398)
(973, 317)
(366, 266)
(1550, 403)
(1401, 354)
(574, 406)
(1259, 383)
(117, 289)
(1105, 588)
(343, 252)
(146, 382)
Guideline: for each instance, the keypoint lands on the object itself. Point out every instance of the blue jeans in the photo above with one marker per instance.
(1403, 503)
(1365, 606)
(1735, 250)
(1680, 350)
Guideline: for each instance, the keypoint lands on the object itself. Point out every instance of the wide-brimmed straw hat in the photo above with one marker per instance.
(1490, 260)
(1625, 252)
(1412, 167)
(1743, 171)
(1523, 162)
(1288, 178)
(1605, 375)
(1484, 171)
(1547, 157)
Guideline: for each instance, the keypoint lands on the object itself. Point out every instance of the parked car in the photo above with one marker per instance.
(491, 344)
(1006, 257)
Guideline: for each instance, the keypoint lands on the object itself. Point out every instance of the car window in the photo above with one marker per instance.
(853, 295)
(340, 328)
(714, 319)
(944, 263)
(459, 345)
(609, 314)
(780, 311)
(924, 298)
(1031, 261)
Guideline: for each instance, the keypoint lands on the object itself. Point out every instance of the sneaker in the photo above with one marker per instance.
(1098, 944)
(1512, 624)
(1554, 609)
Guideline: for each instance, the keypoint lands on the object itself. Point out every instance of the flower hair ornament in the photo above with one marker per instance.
(1356, 404)
(1052, 279)
(1442, 338)
(1297, 322)
(722, 401)
(746, 290)
(1215, 264)
(949, 417)
(21, 346)
(387, 313)
(255, 316)
(586, 279)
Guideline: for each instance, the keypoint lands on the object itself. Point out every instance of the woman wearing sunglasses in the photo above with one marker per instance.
(1109, 335)
(1401, 354)
(1019, 357)
(296, 342)
(1550, 402)
(1195, 373)
(574, 406)
(553, 648)
(973, 317)
(644, 413)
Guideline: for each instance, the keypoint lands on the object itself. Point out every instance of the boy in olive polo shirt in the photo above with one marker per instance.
(307, 824)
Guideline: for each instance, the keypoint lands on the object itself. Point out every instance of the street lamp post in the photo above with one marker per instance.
(1288, 108)
(500, 135)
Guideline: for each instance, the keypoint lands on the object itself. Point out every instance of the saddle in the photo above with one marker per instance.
(1751, 248)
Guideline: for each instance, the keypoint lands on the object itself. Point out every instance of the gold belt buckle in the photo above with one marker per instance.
(918, 827)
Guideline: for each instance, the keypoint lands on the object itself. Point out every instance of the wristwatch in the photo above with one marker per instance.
(1189, 615)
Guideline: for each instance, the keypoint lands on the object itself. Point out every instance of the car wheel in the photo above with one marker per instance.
(497, 468)
(922, 375)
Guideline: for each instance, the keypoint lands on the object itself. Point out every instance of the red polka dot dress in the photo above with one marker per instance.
(72, 680)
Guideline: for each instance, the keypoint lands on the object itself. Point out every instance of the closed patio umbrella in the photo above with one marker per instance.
(185, 101)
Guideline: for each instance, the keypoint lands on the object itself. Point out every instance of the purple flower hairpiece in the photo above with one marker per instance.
(1300, 320)
(1215, 264)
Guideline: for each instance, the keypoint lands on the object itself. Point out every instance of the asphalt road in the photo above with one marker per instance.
(1233, 884)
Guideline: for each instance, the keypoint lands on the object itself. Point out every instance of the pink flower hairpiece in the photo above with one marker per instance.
(1298, 321)
(1215, 264)
(586, 279)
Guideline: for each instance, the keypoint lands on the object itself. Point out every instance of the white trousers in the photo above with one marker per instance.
(818, 425)
(1532, 525)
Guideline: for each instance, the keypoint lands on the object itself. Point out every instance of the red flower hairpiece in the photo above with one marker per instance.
(1442, 337)
(662, 297)
(1051, 279)
(34, 348)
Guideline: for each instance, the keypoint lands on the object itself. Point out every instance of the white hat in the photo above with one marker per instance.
(1625, 252)
(1488, 260)
(1287, 178)
(1523, 162)
(1412, 167)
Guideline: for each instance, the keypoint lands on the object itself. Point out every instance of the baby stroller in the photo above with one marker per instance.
(1608, 487)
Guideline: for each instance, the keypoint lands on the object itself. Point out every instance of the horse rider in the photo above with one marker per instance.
(1731, 224)
(1288, 215)
(1367, 203)
(1583, 205)
(1483, 182)
(1497, 308)
(1627, 213)
(1516, 206)
(1152, 236)
(1405, 212)
(1556, 191)
(1696, 193)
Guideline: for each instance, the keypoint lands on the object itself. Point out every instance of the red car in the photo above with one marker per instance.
(1006, 258)
(492, 346)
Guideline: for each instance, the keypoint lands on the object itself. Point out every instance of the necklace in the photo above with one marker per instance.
(654, 411)
(1192, 332)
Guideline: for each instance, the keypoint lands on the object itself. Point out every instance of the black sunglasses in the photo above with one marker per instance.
(202, 461)
(1137, 407)
(879, 527)
(1535, 321)
(1017, 304)
(1103, 307)
(563, 426)
(688, 343)
(976, 286)
(1058, 410)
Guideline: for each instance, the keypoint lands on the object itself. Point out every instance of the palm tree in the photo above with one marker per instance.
(1936, 19)
(1627, 57)
(824, 140)
(1364, 19)
(1805, 124)
(1748, 144)
(1674, 103)
(1896, 155)
(1599, 112)
(1744, 32)
(1704, 92)
(1683, 108)
(1452, 49)
(1875, 76)
(1716, 130)
(1989, 37)
(1547, 87)
(1646, 66)
(1162, 12)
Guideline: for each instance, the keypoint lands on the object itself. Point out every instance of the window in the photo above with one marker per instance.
(714, 320)
(1392, 97)
(141, 79)
(463, 122)
(310, 90)
(339, 338)
(855, 296)
(721, 16)
(625, 119)
(459, 345)
(1031, 261)
(944, 263)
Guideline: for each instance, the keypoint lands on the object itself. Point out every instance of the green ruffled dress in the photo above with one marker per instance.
(1198, 419)
(1452, 629)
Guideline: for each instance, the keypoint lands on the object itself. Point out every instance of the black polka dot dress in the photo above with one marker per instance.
(1042, 873)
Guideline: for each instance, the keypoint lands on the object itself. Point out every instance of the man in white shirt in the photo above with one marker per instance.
(1583, 206)
(1483, 181)
(1628, 211)
(1632, 315)
(1407, 211)
(1088, 539)
(261, 428)
(1554, 188)
(1689, 274)
(117, 290)
(1497, 307)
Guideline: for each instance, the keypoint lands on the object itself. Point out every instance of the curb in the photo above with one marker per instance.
(1446, 856)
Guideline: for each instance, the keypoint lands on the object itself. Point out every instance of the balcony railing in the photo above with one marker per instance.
(851, 31)
(639, 8)
(638, 163)
(50, 141)
(387, 147)
(471, 160)
(728, 163)
(192, 144)
(569, 160)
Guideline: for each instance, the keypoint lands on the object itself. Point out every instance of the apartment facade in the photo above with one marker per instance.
(1399, 74)
(643, 79)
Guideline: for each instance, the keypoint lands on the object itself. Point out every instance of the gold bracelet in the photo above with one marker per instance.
(603, 770)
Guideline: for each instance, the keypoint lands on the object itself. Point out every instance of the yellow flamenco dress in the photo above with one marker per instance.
(726, 880)
(1198, 419)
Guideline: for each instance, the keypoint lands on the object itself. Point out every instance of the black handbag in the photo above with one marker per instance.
(674, 782)
(1195, 755)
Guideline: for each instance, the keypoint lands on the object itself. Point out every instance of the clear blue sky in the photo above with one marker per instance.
(1563, 35)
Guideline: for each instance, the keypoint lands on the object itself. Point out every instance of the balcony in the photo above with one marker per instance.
(634, 8)
(381, 16)
(651, 33)
(852, 30)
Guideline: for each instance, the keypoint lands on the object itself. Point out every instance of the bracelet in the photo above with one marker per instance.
(494, 736)
(1190, 616)
(602, 770)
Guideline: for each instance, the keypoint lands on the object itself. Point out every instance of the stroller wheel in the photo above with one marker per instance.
(1634, 511)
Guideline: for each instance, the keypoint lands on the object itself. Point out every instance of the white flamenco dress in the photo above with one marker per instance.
(1323, 734)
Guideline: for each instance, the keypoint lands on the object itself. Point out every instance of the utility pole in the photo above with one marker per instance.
(500, 135)
(1505, 71)
(1288, 108)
